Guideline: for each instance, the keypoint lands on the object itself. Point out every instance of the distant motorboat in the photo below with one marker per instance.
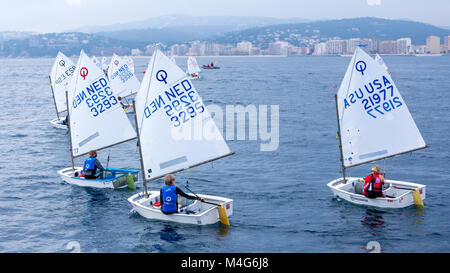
(211, 66)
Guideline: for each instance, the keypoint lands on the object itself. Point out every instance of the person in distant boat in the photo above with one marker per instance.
(66, 120)
(124, 106)
(92, 165)
(193, 75)
(373, 183)
(212, 64)
(169, 195)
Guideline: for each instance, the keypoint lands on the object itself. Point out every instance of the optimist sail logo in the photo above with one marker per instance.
(83, 72)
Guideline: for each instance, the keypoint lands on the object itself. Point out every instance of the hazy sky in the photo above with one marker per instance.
(60, 15)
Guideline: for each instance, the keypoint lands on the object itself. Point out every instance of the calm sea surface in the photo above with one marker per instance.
(281, 202)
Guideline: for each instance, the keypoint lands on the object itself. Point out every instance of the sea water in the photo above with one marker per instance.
(281, 201)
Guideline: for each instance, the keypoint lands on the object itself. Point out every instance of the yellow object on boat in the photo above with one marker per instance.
(223, 215)
(417, 198)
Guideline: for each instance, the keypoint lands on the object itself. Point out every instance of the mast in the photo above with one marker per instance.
(144, 179)
(68, 126)
(340, 140)
(53, 94)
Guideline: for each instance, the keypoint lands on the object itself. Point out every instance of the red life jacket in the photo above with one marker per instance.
(373, 183)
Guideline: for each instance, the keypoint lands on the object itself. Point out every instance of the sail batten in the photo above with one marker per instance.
(169, 110)
(375, 122)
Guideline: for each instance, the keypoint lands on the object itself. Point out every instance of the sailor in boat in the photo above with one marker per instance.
(124, 106)
(193, 75)
(373, 183)
(66, 120)
(92, 165)
(169, 195)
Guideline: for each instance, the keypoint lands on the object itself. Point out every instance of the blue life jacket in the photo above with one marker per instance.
(89, 164)
(169, 199)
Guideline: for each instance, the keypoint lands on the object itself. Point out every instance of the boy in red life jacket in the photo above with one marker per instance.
(373, 184)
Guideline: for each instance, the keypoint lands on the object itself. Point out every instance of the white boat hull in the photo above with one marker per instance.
(196, 213)
(58, 123)
(395, 197)
(118, 181)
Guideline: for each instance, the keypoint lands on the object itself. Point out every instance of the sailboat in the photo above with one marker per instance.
(96, 121)
(368, 100)
(104, 64)
(192, 68)
(95, 61)
(166, 105)
(123, 81)
(129, 61)
(212, 66)
(60, 76)
(380, 61)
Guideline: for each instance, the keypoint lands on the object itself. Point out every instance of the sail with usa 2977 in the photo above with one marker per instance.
(375, 122)
(167, 105)
(96, 117)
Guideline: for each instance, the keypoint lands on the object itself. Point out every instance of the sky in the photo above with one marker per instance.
(61, 15)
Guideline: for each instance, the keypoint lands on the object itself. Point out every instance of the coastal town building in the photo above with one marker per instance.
(334, 46)
(433, 45)
(404, 46)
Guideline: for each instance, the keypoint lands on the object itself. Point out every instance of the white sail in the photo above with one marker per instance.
(172, 58)
(95, 61)
(122, 79)
(96, 117)
(380, 61)
(129, 61)
(168, 103)
(374, 120)
(60, 77)
(192, 66)
(104, 63)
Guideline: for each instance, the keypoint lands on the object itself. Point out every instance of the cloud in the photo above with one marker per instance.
(73, 2)
(373, 2)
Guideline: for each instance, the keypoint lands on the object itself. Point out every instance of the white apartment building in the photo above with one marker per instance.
(278, 48)
(320, 49)
(245, 46)
(404, 46)
(336, 47)
(352, 44)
